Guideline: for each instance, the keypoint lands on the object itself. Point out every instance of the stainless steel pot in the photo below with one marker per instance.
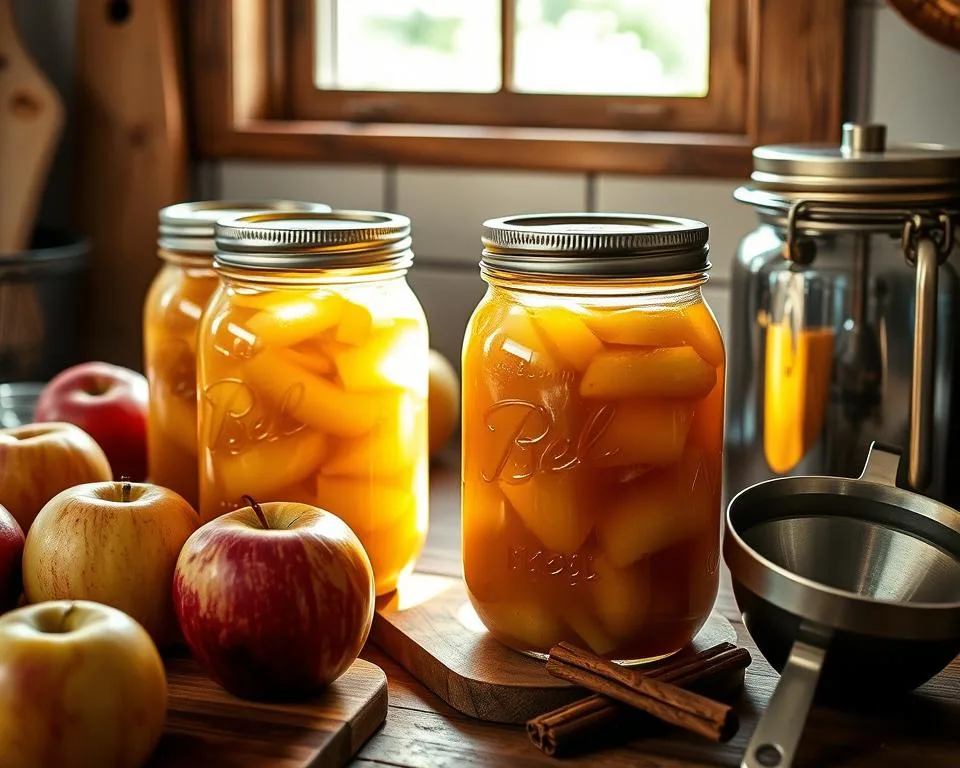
(849, 587)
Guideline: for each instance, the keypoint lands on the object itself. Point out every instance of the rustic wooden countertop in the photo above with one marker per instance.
(920, 729)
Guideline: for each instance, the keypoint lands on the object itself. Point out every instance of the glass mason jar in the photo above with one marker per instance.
(592, 435)
(171, 312)
(313, 377)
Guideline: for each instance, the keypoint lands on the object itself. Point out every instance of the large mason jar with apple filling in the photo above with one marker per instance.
(593, 386)
(313, 377)
(171, 312)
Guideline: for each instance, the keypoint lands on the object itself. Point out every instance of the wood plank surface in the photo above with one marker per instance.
(918, 729)
(206, 726)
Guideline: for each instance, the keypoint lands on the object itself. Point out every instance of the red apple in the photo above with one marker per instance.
(110, 404)
(37, 461)
(115, 543)
(11, 557)
(82, 685)
(275, 601)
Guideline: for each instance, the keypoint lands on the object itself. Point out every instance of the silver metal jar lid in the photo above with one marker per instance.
(290, 240)
(189, 227)
(864, 169)
(595, 245)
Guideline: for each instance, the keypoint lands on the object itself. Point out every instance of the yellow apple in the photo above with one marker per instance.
(83, 686)
(443, 409)
(37, 461)
(115, 543)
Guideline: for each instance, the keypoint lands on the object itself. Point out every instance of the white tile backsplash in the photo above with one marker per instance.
(340, 186)
(707, 200)
(448, 206)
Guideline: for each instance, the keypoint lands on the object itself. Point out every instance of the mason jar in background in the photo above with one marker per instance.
(313, 377)
(171, 312)
(593, 386)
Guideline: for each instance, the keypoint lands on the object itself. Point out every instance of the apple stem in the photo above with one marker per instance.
(66, 615)
(258, 511)
(124, 489)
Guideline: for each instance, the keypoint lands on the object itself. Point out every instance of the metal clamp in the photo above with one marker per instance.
(800, 252)
(926, 243)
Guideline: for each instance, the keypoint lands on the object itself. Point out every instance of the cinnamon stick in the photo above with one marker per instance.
(579, 723)
(565, 728)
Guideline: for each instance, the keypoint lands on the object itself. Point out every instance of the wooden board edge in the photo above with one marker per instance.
(495, 704)
(367, 721)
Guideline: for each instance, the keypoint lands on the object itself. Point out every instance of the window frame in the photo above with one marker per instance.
(251, 68)
(714, 112)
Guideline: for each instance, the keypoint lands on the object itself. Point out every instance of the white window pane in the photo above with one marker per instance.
(408, 45)
(616, 47)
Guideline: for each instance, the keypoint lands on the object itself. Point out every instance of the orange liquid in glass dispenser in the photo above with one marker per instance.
(796, 392)
(591, 474)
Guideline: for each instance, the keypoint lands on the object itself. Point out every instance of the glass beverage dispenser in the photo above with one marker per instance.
(845, 317)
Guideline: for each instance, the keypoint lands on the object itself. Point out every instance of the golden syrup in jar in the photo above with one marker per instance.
(313, 378)
(592, 436)
(171, 315)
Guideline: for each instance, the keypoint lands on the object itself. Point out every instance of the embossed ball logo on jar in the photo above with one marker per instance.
(239, 422)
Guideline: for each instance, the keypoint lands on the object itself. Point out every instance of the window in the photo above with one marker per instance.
(683, 87)
(587, 47)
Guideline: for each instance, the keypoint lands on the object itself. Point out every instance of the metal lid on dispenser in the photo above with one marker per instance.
(864, 169)
(595, 245)
(189, 227)
(291, 240)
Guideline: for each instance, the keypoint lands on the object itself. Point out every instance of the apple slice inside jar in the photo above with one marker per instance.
(704, 335)
(667, 372)
(552, 508)
(290, 322)
(310, 360)
(359, 322)
(179, 419)
(528, 623)
(568, 336)
(266, 469)
(656, 511)
(486, 544)
(391, 447)
(589, 630)
(641, 432)
(311, 399)
(691, 326)
(706, 432)
(364, 505)
(391, 555)
(392, 357)
(518, 348)
(622, 596)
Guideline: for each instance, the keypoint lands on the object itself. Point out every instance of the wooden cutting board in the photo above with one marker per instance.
(206, 726)
(431, 629)
(131, 158)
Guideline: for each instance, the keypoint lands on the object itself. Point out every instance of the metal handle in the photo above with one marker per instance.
(774, 742)
(882, 463)
(924, 349)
